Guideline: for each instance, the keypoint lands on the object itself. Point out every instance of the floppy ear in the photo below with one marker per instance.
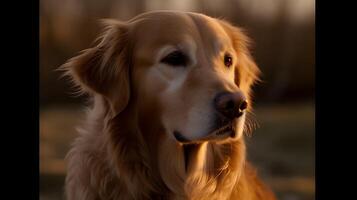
(246, 70)
(104, 69)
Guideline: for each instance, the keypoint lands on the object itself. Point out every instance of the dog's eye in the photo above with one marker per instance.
(228, 60)
(176, 58)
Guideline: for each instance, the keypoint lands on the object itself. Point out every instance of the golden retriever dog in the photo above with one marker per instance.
(170, 96)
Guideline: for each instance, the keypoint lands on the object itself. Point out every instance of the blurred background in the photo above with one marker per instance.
(283, 145)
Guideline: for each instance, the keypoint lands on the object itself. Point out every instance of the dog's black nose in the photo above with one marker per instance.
(231, 105)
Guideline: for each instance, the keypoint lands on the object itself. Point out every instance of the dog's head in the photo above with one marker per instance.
(187, 73)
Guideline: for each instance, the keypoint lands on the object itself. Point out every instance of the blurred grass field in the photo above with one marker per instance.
(282, 148)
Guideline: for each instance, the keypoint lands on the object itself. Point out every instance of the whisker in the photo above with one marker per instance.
(251, 124)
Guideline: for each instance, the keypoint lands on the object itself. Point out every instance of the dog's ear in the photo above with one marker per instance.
(104, 68)
(246, 70)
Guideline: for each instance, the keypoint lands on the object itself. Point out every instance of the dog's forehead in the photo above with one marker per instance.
(211, 32)
(154, 30)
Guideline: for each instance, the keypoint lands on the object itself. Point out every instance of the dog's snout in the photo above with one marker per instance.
(231, 105)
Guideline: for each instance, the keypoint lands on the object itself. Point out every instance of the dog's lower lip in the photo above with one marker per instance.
(224, 129)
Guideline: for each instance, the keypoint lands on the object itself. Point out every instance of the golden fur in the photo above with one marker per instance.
(126, 149)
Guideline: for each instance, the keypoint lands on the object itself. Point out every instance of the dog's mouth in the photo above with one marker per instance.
(221, 133)
(225, 130)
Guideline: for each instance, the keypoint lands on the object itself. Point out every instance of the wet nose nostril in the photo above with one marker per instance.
(230, 105)
(243, 105)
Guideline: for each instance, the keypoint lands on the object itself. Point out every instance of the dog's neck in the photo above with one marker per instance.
(201, 171)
